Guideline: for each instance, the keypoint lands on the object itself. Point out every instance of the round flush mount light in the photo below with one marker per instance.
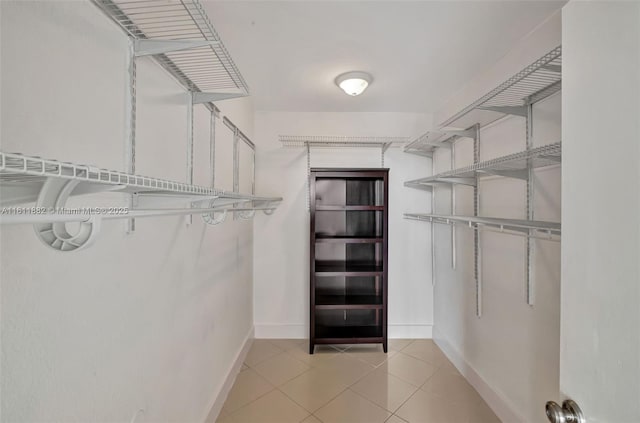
(353, 83)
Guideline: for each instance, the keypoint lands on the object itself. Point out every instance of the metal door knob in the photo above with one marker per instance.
(568, 413)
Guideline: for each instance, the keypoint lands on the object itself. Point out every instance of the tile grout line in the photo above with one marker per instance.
(371, 368)
(377, 405)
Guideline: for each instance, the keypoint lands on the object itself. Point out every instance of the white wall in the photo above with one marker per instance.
(147, 324)
(536, 44)
(281, 269)
(600, 347)
(510, 354)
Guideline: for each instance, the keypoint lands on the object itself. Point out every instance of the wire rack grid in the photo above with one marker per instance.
(202, 69)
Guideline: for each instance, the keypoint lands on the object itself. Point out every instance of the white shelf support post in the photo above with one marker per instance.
(130, 138)
(212, 146)
(529, 276)
(383, 149)
(236, 165)
(453, 208)
(189, 218)
(433, 227)
(477, 265)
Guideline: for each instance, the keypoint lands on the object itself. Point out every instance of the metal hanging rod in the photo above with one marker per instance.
(24, 179)
(67, 217)
(511, 166)
(237, 131)
(341, 141)
(545, 230)
(537, 81)
(180, 36)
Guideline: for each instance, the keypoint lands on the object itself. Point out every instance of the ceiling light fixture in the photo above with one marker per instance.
(353, 83)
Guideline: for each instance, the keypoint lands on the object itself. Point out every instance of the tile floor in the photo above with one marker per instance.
(280, 382)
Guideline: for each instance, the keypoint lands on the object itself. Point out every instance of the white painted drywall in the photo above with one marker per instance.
(144, 325)
(511, 353)
(281, 268)
(546, 36)
(600, 344)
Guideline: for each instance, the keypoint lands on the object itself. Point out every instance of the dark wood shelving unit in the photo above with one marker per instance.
(348, 256)
(349, 208)
(348, 239)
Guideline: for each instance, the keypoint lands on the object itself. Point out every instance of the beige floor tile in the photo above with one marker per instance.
(384, 389)
(452, 387)
(372, 354)
(274, 407)
(322, 348)
(395, 419)
(426, 408)
(248, 387)
(225, 419)
(322, 354)
(346, 369)
(425, 350)
(313, 389)
(261, 349)
(409, 369)
(418, 384)
(351, 407)
(342, 347)
(481, 413)
(289, 344)
(280, 368)
(398, 344)
(364, 347)
(449, 367)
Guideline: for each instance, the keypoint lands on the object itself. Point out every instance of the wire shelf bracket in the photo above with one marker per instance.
(514, 97)
(210, 97)
(426, 144)
(144, 47)
(507, 110)
(535, 82)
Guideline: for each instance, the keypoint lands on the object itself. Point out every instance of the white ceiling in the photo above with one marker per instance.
(419, 53)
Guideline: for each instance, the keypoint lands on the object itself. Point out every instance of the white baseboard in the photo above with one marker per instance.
(221, 396)
(275, 331)
(410, 331)
(494, 399)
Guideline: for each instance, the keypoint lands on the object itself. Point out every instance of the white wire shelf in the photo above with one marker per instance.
(341, 141)
(513, 166)
(425, 144)
(531, 228)
(537, 81)
(17, 170)
(25, 179)
(180, 36)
